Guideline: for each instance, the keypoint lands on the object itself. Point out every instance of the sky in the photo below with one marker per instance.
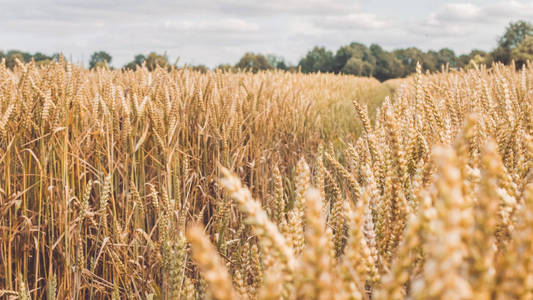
(212, 32)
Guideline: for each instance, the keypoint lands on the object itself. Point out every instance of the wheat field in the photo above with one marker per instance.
(174, 184)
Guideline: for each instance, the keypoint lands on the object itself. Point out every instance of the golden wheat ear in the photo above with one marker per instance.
(211, 265)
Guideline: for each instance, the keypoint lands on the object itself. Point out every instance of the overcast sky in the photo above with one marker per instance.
(220, 31)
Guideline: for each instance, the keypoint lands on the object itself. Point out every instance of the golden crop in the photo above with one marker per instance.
(117, 184)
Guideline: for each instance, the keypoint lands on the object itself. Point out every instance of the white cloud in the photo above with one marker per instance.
(352, 21)
(466, 25)
(220, 31)
(219, 26)
(455, 12)
(488, 12)
(292, 7)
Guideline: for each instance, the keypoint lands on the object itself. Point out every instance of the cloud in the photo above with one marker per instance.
(219, 31)
(352, 21)
(466, 25)
(505, 9)
(215, 26)
(479, 14)
(291, 7)
(455, 12)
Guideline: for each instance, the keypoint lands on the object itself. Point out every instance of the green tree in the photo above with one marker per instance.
(515, 33)
(513, 36)
(253, 62)
(478, 56)
(318, 59)
(446, 56)
(277, 62)
(39, 56)
(41, 59)
(154, 60)
(56, 56)
(224, 67)
(409, 57)
(387, 65)
(501, 54)
(99, 59)
(523, 52)
(476, 61)
(200, 68)
(432, 59)
(359, 54)
(25, 56)
(12, 56)
(138, 60)
(357, 66)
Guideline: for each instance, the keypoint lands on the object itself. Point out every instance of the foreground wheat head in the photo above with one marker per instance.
(111, 185)
(433, 201)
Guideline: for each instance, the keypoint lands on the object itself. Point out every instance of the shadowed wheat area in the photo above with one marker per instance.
(182, 185)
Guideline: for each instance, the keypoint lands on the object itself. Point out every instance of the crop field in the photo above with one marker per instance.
(178, 184)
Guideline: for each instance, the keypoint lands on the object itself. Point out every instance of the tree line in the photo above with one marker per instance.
(516, 44)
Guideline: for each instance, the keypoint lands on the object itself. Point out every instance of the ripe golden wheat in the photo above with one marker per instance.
(101, 171)
(118, 185)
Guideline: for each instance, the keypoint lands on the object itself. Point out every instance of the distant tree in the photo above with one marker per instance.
(138, 60)
(23, 56)
(476, 60)
(153, 60)
(409, 57)
(464, 60)
(513, 36)
(224, 67)
(56, 56)
(501, 54)
(253, 62)
(523, 52)
(446, 56)
(318, 59)
(282, 65)
(359, 54)
(431, 58)
(293, 69)
(515, 33)
(387, 65)
(200, 68)
(99, 59)
(39, 56)
(12, 57)
(277, 62)
(342, 56)
(357, 66)
(41, 59)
